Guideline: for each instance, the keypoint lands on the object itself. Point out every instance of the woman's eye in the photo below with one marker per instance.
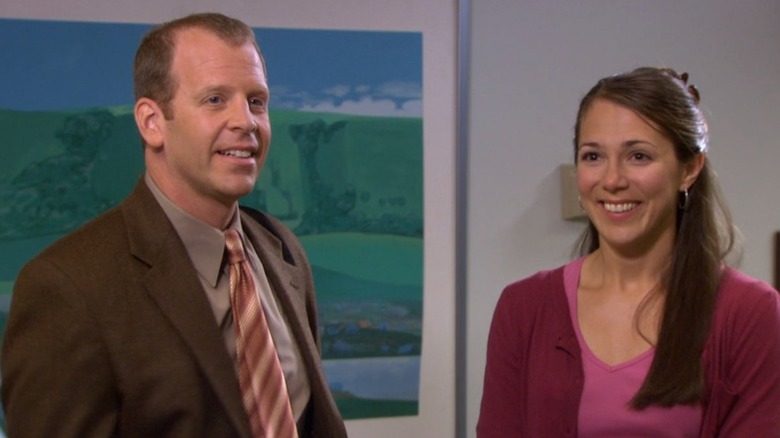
(588, 156)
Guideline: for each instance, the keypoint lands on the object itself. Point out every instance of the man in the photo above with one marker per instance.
(125, 327)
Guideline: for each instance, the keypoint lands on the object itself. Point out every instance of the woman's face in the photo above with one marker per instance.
(629, 178)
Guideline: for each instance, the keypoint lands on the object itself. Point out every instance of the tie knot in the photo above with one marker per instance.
(234, 247)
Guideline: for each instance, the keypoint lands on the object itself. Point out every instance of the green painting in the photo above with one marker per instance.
(345, 172)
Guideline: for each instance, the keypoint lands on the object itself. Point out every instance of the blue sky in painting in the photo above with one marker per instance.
(56, 65)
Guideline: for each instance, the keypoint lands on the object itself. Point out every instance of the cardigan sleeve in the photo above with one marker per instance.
(501, 392)
(533, 374)
(747, 390)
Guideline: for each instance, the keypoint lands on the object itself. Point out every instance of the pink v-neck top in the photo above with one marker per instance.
(608, 389)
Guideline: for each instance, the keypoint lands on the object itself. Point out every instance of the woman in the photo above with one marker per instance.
(648, 332)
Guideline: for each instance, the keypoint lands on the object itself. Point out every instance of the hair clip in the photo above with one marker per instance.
(692, 90)
(695, 93)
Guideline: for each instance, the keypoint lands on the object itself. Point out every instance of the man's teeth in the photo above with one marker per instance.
(239, 154)
(619, 208)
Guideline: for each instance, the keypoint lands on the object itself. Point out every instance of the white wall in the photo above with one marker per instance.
(531, 62)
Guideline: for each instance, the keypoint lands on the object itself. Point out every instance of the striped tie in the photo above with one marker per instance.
(263, 388)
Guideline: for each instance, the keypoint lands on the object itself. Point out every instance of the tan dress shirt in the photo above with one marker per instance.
(206, 248)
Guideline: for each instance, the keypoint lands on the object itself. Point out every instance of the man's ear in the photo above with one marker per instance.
(150, 121)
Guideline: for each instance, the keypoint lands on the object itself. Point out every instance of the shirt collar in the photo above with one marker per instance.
(205, 244)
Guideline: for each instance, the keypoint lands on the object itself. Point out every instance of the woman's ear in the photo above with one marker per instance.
(150, 121)
(692, 170)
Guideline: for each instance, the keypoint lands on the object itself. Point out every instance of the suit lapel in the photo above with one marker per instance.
(284, 278)
(173, 284)
(286, 281)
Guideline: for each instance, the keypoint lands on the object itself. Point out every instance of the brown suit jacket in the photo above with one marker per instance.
(110, 334)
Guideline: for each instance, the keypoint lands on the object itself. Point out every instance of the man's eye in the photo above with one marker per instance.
(214, 100)
(257, 102)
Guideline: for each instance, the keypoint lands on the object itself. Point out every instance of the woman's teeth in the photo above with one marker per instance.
(619, 208)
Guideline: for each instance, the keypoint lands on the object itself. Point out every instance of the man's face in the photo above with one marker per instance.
(217, 140)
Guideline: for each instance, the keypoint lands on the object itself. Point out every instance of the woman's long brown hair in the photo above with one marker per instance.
(705, 232)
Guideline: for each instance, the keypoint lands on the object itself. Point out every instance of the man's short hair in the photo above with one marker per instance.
(153, 60)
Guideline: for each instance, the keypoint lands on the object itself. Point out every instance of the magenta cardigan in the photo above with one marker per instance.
(534, 378)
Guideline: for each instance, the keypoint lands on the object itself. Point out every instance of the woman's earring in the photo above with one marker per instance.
(684, 200)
